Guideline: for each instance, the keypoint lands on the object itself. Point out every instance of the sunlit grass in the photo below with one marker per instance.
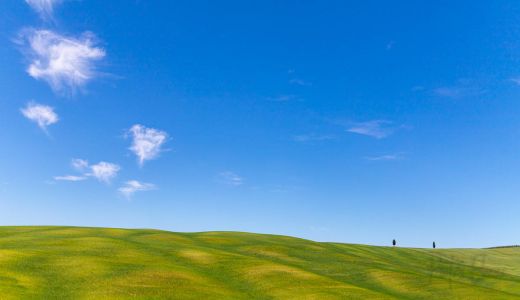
(99, 263)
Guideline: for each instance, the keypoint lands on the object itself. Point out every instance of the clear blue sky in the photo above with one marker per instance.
(358, 122)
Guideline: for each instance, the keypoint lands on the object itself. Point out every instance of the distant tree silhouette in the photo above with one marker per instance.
(394, 242)
(433, 245)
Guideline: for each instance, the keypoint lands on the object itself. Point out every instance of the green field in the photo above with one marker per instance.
(99, 263)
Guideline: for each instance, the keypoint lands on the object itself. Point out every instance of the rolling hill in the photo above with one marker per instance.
(103, 263)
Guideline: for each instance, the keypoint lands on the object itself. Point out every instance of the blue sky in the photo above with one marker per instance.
(348, 122)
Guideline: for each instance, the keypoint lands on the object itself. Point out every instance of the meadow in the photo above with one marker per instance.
(106, 263)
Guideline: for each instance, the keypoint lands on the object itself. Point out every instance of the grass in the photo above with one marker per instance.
(102, 263)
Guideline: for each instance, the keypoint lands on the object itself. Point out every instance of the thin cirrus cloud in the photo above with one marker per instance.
(132, 186)
(458, 92)
(304, 138)
(44, 8)
(378, 129)
(298, 81)
(385, 157)
(70, 178)
(79, 164)
(42, 115)
(146, 142)
(230, 178)
(65, 63)
(284, 98)
(102, 171)
(463, 88)
(515, 80)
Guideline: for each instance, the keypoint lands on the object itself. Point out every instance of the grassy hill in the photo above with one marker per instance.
(99, 263)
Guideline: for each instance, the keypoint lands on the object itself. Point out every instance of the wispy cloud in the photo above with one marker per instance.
(230, 178)
(104, 171)
(378, 129)
(515, 80)
(284, 98)
(294, 79)
(457, 92)
(70, 178)
(462, 89)
(390, 45)
(386, 157)
(79, 164)
(65, 63)
(303, 138)
(146, 142)
(132, 186)
(298, 81)
(43, 115)
(44, 8)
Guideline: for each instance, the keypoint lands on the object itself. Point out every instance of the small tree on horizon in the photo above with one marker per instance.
(394, 243)
(433, 245)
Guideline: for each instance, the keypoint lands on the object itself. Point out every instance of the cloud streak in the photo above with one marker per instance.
(378, 129)
(42, 115)
(44, 8)
(79, 164)
(386, 157)
(230, 178)
(132, 186)
(102, 171)
(462, 89)
(70, 178)
(456, 92)
(146, 142)
(298, 81)
(515, 80)
(284, 98)
(303, 138)
(65, 63)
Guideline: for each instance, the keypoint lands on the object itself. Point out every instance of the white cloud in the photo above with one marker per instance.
(230, 178)
(456, 92)
(44, 8)
(146, 142)
(104, 171)
(65, 63)
(70, 178)
(515, 80)
(303, 138)
(298, 81)
(132, 186)
(284, 98)
(79, 164)
(376, 128)
(462, 89)
(386, 157)
(43, 115)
